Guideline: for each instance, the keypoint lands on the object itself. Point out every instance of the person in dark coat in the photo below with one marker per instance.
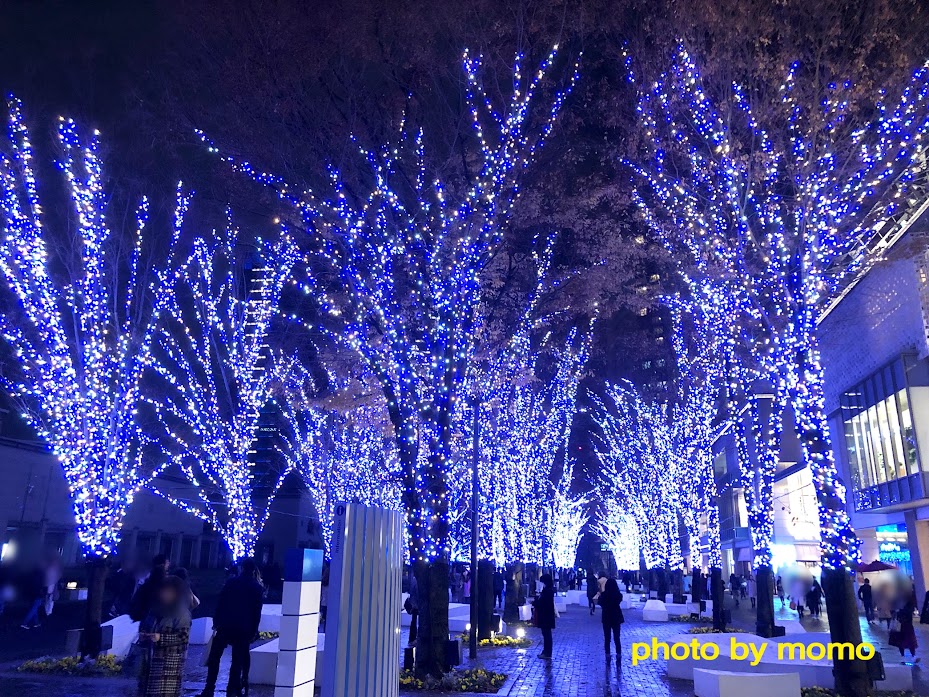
(544, 606)
(866, 596)
(166, 631)
(498, 588)
(612, 615)
(814, 596)
(905, 637)
(592, 590)
(923, 616)
(235, 621)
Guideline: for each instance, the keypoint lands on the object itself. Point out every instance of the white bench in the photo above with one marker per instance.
(525, 612)
(125, 632)
(655, 611)
(576, 598)
(560, 604)
(812, 673)
(724, 683)
(201, 629)
(270, 619)
(263, 670)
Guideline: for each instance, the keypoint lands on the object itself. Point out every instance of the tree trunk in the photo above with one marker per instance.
(432, 637)
(851, 676)
(696, 588)
(91, 637)
(764, 604)
(718, 595)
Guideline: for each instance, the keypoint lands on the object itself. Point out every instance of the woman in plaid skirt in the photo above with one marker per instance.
(166, 631)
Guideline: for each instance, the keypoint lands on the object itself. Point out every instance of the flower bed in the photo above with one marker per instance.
(828, 692)
(500, 641)
(689, 618)
(103, 666)
(710, 630)
(267, 636)
(473, 680)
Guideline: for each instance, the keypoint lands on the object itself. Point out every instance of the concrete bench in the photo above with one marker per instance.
(812, 673)
(678, 609)
(669, 598)
(576, 598)
(723, 683)
(125, 632)
(263, 669)
(270, 619)
(561, 604)
(655, 611)
(201, 629)
(683, 669)
(459, 610)
(525, 612)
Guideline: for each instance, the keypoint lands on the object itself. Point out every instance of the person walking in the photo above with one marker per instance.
(779, 588)
(814, 597)
(235, 621)
(166, 632)
(544, 606)
(751, 586)
(612, 616)
(866, 596)
(904, 636)
(734, 587)
(466, 586)
(592, 589)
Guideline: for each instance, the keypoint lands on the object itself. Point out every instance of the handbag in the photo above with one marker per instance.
(895, 625)
(793, 605)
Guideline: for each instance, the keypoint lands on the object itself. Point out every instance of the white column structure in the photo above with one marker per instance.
(296, 660)
(362, 654)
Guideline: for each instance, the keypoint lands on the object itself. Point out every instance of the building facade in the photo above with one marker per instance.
(876, 357)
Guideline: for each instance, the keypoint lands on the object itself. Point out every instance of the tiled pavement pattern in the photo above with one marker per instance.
(578, 669)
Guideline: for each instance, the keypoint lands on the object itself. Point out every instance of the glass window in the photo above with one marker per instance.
(908, 434)
(879, 434)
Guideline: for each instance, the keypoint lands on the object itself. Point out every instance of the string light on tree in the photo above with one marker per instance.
(787, 217)
(408, 254)
(215, 379)
(81, 339)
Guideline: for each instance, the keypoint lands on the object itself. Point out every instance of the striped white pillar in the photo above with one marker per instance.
(296, 659)
(363, 617)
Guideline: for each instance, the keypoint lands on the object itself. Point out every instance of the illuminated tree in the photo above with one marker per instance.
(790, 213)
(341, 457)
(216, 378)
(396, 267)
(620, 531)
(81, 334)
(634, 451)
(566, 516)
